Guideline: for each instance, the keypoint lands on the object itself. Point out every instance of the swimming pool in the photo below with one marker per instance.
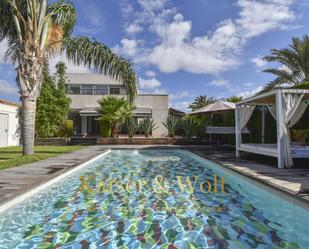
(125, 204)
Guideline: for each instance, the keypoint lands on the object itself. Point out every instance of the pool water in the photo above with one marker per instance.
(133, 199)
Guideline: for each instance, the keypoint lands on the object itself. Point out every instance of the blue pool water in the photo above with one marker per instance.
(133, 199)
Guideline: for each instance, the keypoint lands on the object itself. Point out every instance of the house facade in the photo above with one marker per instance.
(9, 123)
(85, 90)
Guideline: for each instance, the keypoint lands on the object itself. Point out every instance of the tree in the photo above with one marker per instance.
(37, 30)
(53, 105)
(113, 112)
(234, 99)
(294, 62)
(200, 102)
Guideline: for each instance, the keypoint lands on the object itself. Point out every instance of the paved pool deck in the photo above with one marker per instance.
(292, 182)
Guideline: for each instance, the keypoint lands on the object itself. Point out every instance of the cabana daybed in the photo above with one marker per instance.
(287, 106)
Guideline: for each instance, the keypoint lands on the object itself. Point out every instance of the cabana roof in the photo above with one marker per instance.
(270, 97)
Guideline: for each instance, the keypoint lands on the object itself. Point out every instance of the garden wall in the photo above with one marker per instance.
(52, 141)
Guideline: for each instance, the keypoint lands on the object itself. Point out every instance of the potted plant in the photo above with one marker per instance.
(171, 124)
(131, 125)
(147, 126)
(189, 124)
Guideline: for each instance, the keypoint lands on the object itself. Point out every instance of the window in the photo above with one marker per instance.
(114, 90)
(73, 89)
(101, 90)
(86, 89)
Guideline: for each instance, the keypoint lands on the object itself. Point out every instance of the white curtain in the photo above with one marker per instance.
(272, 110)
(299, 113)
(290, 103)
(244, 114)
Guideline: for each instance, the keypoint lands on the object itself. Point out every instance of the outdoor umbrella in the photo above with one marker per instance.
(217, 107)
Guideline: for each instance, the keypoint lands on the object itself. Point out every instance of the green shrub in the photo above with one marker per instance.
(131, 126)
(171, 124)
(65, 129)
(301, 136)
(147, 126)
(105, 129)
(190, 125)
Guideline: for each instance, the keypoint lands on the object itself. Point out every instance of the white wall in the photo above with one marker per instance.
(159, 107)
(157, 103)
(13, 126)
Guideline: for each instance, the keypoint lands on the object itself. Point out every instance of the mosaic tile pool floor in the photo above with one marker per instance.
(139, 199)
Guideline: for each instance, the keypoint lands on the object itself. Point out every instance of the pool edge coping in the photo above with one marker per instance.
(36, 189)
(280, 191)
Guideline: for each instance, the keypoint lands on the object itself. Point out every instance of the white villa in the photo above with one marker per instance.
(9, 123)
(85, 90)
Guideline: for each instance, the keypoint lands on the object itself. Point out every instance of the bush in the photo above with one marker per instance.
(301, 136)
(105, 128)
(131, 126)
(147, 126)
(66, 129)
(190, 126)
(171, 124)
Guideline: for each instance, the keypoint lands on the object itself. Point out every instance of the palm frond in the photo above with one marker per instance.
(63, 14)
(93, 54)
(295, 60)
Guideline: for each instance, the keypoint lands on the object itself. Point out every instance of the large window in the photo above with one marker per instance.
(95, 89)
(73, 89)
(114, 90)
(101, 90)
(86, 89)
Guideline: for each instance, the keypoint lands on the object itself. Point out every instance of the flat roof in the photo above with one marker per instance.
(7, 102)
(91, 78)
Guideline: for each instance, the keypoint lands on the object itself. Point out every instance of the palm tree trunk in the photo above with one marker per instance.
(28, 125)
(30, 77)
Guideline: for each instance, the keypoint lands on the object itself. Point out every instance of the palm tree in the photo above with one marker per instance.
(37, 30)
(114, 111)
(200, 102)
(295, 64)
(234, 99)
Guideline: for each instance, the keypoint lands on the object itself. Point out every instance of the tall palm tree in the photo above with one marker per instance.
(295, 64)
(114, 112)
(201, 101)
(37, 30)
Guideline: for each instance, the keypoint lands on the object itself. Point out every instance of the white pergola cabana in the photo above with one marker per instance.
(287, 106)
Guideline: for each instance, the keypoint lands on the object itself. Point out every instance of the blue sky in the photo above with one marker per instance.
(189, 47)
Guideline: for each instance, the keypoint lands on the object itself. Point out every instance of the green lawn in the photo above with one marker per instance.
(12, 157)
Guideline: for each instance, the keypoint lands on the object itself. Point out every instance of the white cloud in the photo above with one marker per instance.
(217, 51)
(3, 48)
(8, 88)
(71, 67)
(128, 47)
(133, 28)
(179, 95)
(219, 83)
(149, 83)
(182, 105)
(259, 62)
(249, 93)
(247, 84)
(150, 74)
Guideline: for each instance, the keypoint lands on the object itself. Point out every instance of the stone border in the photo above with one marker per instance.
(39, 188)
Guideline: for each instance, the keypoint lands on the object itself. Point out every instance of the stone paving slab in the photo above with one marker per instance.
(19, 180)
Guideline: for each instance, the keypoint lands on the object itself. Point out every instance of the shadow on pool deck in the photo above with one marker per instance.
(264, 169)
(295, 182)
